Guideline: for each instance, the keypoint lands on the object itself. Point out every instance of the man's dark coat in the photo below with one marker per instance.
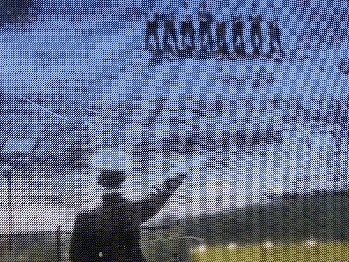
(111, 232)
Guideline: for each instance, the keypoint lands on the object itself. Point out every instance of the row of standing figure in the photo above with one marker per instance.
(205, 22)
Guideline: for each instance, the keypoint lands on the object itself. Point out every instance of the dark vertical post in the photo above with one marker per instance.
(7, 173)
(58, 242)
(9, 183)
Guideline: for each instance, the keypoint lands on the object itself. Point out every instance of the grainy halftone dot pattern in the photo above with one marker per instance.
(261, 135)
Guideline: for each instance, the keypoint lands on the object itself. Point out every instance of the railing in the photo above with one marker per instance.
(37, 246)
(54, 246)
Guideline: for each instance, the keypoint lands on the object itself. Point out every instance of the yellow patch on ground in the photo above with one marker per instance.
(309, 250)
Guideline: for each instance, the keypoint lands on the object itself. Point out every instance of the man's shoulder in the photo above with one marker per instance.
(85, 220)
(86, 215)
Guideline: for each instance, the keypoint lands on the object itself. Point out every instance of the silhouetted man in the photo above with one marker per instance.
(170, 30)
(111, 232)
(221, 37)
(256, 34)
(238, 33)
(205, 21)
(152, 30)
(187, 29)
(275, 36)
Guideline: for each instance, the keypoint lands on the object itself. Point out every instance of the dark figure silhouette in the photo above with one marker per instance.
(256, 34)
(238, 32)
(221, 37)
(275, 36)
(111, 232)
(152, 30)
(205, 21)
(187, 28)
(170, 30)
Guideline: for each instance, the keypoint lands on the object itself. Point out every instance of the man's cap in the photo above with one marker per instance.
(111, 178)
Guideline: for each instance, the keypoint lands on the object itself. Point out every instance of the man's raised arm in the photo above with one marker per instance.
(155, 202)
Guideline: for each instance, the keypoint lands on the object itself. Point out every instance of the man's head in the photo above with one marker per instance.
(111, 179)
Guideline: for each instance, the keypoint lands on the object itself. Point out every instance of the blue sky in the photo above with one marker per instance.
(64, 74)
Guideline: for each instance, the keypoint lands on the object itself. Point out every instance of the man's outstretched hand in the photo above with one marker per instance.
(175, 182)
